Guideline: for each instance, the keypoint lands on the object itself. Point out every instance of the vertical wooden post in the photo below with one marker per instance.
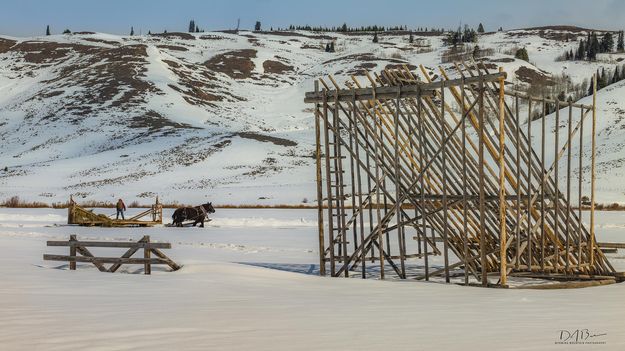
(530, 234)
(556, 194)
(483, 261)
(72, 252)
(502, 190)
(465, 203)
(421, 127)
(579, 190)
(322, 264)
(398, 213)
(326, 134)
(444, 188)
(518, 181)
(542, 188)
(147, 267)
(591, 245)
(567, 266)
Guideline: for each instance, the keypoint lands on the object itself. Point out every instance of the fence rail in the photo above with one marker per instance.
(77, 248)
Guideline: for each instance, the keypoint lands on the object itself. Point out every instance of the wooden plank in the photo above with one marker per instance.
(116, 260)
(130, 244)
(568, 285)
(174, 266)
(611, 245)
(85, 252)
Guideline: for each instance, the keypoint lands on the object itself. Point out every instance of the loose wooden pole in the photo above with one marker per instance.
(502, 190)
(322, 264)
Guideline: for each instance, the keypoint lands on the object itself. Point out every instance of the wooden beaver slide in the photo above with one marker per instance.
(81, 216)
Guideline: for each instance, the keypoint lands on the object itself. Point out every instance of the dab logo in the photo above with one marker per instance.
(580, 336)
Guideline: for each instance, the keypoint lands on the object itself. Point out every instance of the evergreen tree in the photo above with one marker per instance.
(521, 54)
(561, 96)
(615, 76)
(257, 26)
(197, 29)
(332, 46)
(476, 52)
(619, 43)
(67, 31)
(607, 42)
(191, 26)
(48, 30)
(344, 27)
(480, 28)
(149, 32)
(132, 31)
(593, 48)
(375, 37)
(411, 38)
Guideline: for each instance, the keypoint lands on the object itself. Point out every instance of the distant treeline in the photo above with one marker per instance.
(346, 29)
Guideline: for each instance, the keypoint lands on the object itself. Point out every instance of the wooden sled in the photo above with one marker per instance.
(81, 216)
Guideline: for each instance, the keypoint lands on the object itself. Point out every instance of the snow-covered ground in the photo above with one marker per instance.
(249, 283)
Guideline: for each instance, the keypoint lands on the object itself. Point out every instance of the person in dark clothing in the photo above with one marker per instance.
(121, 207)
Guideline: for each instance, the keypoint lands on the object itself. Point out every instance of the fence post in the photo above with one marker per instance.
(72, 252)
(147, 268)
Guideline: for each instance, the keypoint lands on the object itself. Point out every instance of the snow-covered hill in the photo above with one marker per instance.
(217, 115)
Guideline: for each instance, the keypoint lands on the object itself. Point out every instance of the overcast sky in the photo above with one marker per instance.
(30, 17)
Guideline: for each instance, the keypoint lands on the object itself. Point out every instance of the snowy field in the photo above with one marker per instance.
(249, 283)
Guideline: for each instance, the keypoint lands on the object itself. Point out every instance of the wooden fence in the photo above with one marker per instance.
(78, 252)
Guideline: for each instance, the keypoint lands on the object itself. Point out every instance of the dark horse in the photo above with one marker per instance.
(196, 214)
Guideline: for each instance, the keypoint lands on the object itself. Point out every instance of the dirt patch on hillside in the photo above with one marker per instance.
(267, 138)
(502, 60)
(6, 44)
(110, 75)
(48, 52)
(532, 76)
(276, 67)
(155, 122)
(84, 33)
(236, 64)
(109, 42)
(175, 35)
(172, 47)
